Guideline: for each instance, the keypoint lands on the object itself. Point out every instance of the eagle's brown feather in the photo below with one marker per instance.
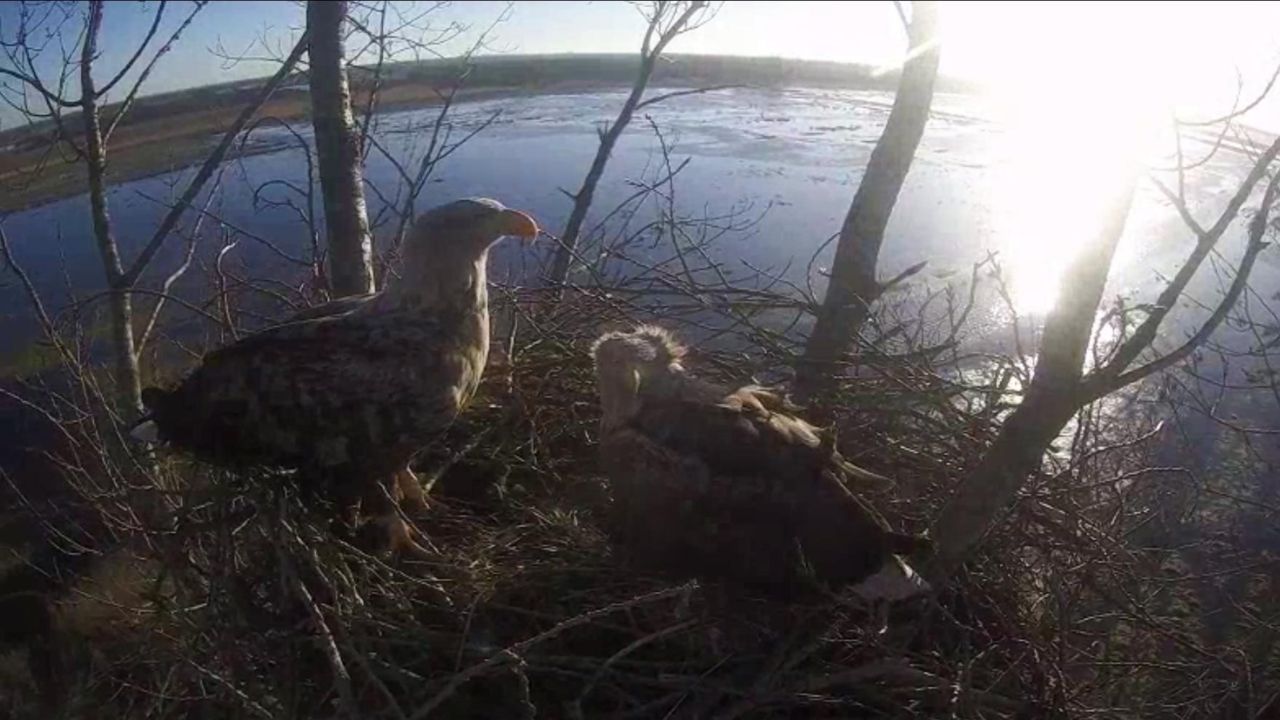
(324, 392)
(348, 391)
(672, 514)
(726, 483)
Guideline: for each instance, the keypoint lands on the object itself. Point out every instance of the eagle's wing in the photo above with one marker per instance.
(775, 462)
(762, 402)
(739, 435)
(332, 308)
(325, 390)
(671, 513)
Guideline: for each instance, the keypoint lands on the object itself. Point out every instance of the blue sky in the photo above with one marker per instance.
(531, 27)
(1184, 49)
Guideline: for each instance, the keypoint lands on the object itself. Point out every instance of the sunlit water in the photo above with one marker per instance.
(1029, 192)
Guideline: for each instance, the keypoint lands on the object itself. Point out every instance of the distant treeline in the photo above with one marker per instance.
(518, 71)
(542, 70)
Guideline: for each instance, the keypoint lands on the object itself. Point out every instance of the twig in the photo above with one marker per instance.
(512, 652)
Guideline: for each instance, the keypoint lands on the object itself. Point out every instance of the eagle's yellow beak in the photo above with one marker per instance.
(519, 224)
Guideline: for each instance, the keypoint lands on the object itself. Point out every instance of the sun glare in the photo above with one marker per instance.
(1064, 155)
(1084, 92)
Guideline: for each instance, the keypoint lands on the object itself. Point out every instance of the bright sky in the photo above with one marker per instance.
(1189, 49)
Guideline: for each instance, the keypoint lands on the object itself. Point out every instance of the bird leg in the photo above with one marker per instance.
(346, 496)
(392, 531)
(410, 496)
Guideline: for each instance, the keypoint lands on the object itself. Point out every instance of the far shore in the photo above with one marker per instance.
(37, 176)
(38, 173)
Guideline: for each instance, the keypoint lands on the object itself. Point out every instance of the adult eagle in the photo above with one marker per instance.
(722, 482)
(347, 393)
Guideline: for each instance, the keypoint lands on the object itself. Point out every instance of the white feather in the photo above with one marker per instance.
(147, 432)
(895, 581)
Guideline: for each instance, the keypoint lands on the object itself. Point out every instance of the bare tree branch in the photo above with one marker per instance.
(211, 165)
(667, 20)
(681, 93)
(1235, 113)
(124, 106)
(1103, 384)
(1207, 240)
(142, 47)
(33, 297)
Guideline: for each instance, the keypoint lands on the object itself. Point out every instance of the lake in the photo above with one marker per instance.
(977, 185)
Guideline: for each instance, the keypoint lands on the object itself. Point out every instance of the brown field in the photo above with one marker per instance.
(137, 150)
(175, 130)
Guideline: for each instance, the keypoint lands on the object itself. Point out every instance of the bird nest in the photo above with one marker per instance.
(250, 607)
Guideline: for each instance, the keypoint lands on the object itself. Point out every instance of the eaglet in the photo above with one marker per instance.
(347, 393)
(726, 483)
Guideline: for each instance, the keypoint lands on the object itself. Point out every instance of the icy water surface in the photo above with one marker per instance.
(976, 186)
(798, 154)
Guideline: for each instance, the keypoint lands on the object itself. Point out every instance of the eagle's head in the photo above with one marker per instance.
(628, 363)
(476, 222)
(446, 248)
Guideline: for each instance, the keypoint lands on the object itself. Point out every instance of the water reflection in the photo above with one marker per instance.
(1029, 189)
(1062, 164)
(1031, 186)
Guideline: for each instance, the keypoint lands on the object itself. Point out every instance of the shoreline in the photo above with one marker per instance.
(171, 144)
(155, 147)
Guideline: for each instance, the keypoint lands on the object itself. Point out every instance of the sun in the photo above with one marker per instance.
(1063, 156)
(1085, 94)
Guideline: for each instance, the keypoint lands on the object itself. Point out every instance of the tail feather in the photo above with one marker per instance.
(896, 580)
(904, 544)
(866, 478)
(146, 428)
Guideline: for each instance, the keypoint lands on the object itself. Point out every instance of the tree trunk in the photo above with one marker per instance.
(853, 286)
(120, 306)
(128, 382)
(338, 151)
(1055, 394)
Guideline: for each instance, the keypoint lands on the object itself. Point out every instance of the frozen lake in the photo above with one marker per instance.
(796, 156)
